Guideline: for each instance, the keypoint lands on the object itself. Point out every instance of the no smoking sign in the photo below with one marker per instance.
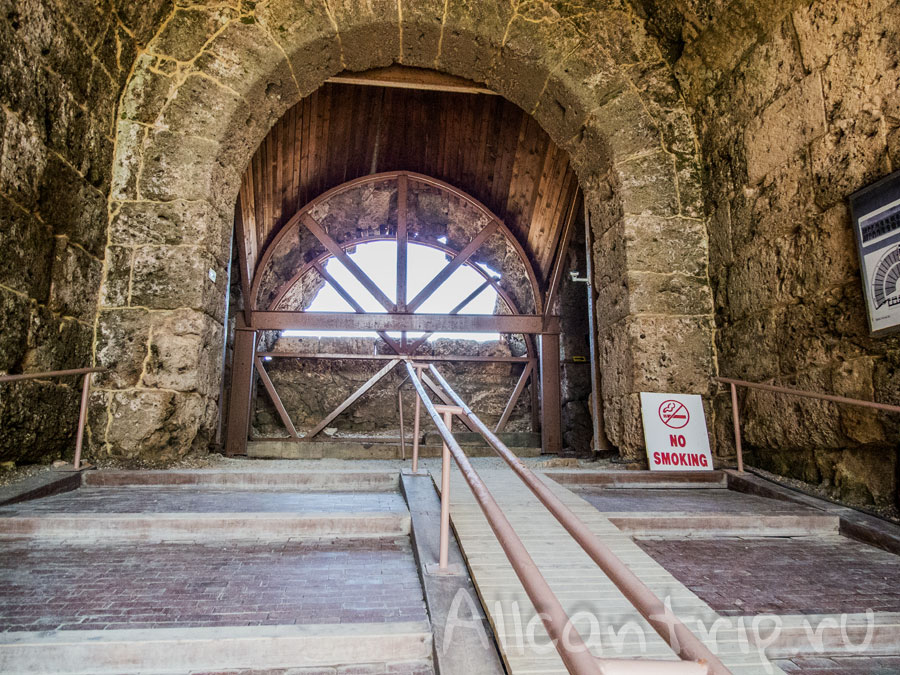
(675, 432)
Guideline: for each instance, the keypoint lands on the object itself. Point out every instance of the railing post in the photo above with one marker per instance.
(445, 498)
(736, 416)
(416, 422)
(82, 419)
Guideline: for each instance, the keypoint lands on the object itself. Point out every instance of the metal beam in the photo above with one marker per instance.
(514, 398)
(402, 242)
(456, 310)
(276, 399)
(350, 400)
(350, 300)
(388, 357)
(563, 246)
(528, 324)
(453, 265)
(335, 249)
(551, 430)
(447, 400)
(241, 391)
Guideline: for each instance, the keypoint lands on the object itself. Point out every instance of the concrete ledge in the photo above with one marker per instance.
(172, 650)
(640, 479)
(355, 450)
(42, 485)
(701, 526)
(310, 481)
(205, 526)
(877, 634)
(853, 524)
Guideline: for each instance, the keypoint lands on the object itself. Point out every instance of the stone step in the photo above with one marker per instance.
(639, 479)
(305, 481)
(706, 525)
(275, 449)
(205, 526)
(181, 650)
(518, 439)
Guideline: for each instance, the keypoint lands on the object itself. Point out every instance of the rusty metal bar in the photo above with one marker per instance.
(444, 549)
(389, 357)
(528, 324)
(514, 398)
(809, 394)
(275, 398)
(452, 266)
(572, 650)
(350, 300)
(402, 242)
(446, 399)
(736, 419)
(350, 400)
(417, 422)
(663, 620)
(335, 249)
(562, 248)
(85, 395)
(551, 425)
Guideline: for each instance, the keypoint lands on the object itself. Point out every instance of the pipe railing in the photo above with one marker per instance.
(85, 393)
(565, 637)
(736, 415)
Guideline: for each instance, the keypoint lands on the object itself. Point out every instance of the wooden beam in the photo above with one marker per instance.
(447, 401)
(334, 248)
(407, 77)
(453, 265)
(514, 398)
(276, 399)
(456, 310)
(402, 242)
(353, 303)
(562, 248)
(528, 324)
(350, 400)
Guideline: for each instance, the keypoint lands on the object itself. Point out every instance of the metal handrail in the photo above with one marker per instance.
(736, 416)
(85, 393)
(564, 635)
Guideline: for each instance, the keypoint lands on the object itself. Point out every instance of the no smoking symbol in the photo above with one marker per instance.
(673, 414)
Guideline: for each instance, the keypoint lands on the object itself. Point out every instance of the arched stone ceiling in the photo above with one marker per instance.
(482, 144)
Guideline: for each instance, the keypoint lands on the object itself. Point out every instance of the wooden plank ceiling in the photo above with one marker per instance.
(482, 144)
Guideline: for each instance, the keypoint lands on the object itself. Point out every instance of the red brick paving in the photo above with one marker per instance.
(405, 668)
(705, 500)
(191, 499)
(841, 665)
(829, 575)
(47, 585)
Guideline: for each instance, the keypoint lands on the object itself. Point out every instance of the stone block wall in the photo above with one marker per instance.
(62, 69)
(797, 105)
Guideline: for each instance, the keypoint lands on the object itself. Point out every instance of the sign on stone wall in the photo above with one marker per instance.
(876, 221)
(675, 432)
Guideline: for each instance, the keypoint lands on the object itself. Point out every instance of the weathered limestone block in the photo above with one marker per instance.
(369, 32)
(38, 420)
(619, 124)
(75, 279)
(172, 277)
(56, 343)
(14, 313)
(784, 127)
(26, 252)
(176, 167)
(142, 18)
(622, 420)
(155, 426)
(116, 285)
(654, 293)
(22, 162)
(172, 223)
(130, 139)
(665, 245)
(852, 155)
(188, 29)
(420, 31)
(185, 353)
(748, 349)
(202, 107)
(73, 207)
(122, 337)
(471, 37)
(648, 184)
(147, 91)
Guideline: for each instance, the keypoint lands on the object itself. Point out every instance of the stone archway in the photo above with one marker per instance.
(212, 81)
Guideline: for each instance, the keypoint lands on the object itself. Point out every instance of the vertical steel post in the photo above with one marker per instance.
(242, 378)
(551, 431)
(416, 423)
(82, 419)
(445, 497)
(736, 415)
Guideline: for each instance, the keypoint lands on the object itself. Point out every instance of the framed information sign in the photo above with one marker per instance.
(876, 222)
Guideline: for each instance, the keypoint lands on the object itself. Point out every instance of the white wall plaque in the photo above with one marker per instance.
(675, 432)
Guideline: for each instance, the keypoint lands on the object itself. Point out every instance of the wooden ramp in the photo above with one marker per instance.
(603, 616)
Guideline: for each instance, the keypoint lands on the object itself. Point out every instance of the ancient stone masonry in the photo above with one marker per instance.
(62, 69)
(796, 105)
(216, 76)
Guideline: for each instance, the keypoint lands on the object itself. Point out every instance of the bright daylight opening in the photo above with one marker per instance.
(378, 259)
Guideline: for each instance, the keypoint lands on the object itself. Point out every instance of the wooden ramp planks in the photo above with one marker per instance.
(605, 619)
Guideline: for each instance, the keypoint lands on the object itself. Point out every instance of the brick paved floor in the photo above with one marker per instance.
(827, 575)
(841, 665)
(205, 500)
(406, 668)
(51, 585)
(688, 500)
